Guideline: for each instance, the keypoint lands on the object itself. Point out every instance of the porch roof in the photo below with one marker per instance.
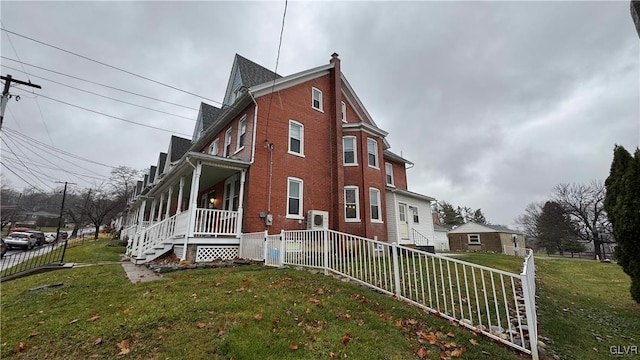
(215, 169)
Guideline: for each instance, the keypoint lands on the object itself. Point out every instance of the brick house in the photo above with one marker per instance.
(485, 237)
(281, 153)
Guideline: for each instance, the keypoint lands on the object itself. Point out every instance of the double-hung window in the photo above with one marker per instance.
(351, 204)
(374, 200)
(294, 198)
(296, 138)
(372, 151)
(389, 171)
(349, 151)
(242, 129)
(213, 148)
(227, 143)
(414, 213)
(344, 111)
(316, 99)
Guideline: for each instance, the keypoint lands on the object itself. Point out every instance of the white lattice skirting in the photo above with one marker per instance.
(211, 253)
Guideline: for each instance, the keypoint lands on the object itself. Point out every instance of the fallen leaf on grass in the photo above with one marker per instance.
(95, 317)
(33, 334)
(97, 341)
(293, 346)
(431, 338)
(258, 317)
(123, 346)
(451, 335)
(246, 283)
(73, 321)
(473, 342)
(399, 323)
(220, 331)
(244, 325)
(40, 322)
(421, 353)
(55, 297)
(458, 352)
(21, 346)
(412, 321)
(345, 339)
(343, 316)
(201, 325)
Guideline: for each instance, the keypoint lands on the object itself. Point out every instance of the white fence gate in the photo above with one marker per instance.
(499, 304)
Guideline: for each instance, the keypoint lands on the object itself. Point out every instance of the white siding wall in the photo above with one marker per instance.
(425, 224)
(442, 241)
(392, 217)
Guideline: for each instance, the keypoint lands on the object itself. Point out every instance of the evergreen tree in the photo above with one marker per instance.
(449, 214)
(622, 203)
(555, 230)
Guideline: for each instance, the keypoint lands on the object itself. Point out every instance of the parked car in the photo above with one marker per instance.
(49, 238)
(40, 238)
(64, 235)
(23, 240)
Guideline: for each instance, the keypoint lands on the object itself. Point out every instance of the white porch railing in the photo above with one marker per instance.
(497, 303)
(210, 222)
(419, 239)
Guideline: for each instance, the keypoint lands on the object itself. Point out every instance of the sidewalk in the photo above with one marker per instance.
(138, 273)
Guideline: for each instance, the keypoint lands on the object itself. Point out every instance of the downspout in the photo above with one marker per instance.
(255, 123)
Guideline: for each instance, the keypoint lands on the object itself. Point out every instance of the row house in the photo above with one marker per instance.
(281, 153)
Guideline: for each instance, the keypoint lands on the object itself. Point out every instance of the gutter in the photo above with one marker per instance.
(255, 123)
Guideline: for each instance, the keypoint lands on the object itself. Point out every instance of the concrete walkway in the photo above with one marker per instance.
(138, 273)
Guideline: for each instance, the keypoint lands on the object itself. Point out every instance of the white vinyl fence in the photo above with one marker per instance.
(499, 304)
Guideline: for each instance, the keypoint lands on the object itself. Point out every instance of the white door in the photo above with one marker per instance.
(403, 224)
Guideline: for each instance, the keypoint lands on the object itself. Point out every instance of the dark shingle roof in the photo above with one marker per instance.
(179, 146)
(253, 74)
(209, 115)
(152, 174)
(161, 160)
(138, 187)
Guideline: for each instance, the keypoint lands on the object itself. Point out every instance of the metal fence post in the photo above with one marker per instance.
(396, 268)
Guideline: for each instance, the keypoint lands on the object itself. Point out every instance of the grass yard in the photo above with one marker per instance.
(248, 312)
(584, 307)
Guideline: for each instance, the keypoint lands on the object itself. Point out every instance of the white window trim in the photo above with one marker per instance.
(301, 154)
(355, 151)
(473, 243)
(386, 166)
(214, 145)
(243, 119)
(313, 90)
(414, 213)
(357, 219)
(379, 206)
(227, 137)
(301, 182)
(377, 157)
(344, 111)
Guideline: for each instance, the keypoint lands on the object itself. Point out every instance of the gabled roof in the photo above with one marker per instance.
(179, 146)
(392, 156)
(253, 74)
(209, 115)
(152, 174)
(161, 160)
(472, 227)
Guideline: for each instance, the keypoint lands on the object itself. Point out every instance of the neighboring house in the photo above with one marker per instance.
(282, 153)
(484, 237)
(441, 238)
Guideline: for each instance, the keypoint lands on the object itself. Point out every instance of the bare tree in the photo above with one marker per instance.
(585, 205)
(528, 220)
(101, 205)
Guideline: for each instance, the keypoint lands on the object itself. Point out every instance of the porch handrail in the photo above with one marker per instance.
(418, 238)
(213, 222)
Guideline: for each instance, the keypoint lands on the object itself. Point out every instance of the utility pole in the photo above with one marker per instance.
(64, 195)
(6, 96)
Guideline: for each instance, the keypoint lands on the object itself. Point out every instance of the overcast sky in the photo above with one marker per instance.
(494, 102)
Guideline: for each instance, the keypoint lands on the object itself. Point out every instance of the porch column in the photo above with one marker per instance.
(180, 195)
(152, 211)
(193, 206)
(139, 228)
(166, 214)
(240, 202)
(159, 217)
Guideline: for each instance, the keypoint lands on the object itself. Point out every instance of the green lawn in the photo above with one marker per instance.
(249, 312)
(584, 307)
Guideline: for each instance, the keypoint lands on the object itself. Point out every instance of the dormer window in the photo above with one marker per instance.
(316, 99)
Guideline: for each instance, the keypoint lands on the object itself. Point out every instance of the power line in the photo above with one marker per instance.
(16, 133)
(275, 72)
(25, 166)
(21, 178)
(107, 65)
(104, 96)
(111, 116)
(97, 83)
(15, 143)
(57, 169)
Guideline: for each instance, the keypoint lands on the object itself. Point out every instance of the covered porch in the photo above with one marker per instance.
(194, 209)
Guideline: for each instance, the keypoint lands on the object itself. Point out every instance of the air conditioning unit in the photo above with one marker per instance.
(317, 219)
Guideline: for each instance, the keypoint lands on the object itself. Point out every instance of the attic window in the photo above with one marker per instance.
(316, 99)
